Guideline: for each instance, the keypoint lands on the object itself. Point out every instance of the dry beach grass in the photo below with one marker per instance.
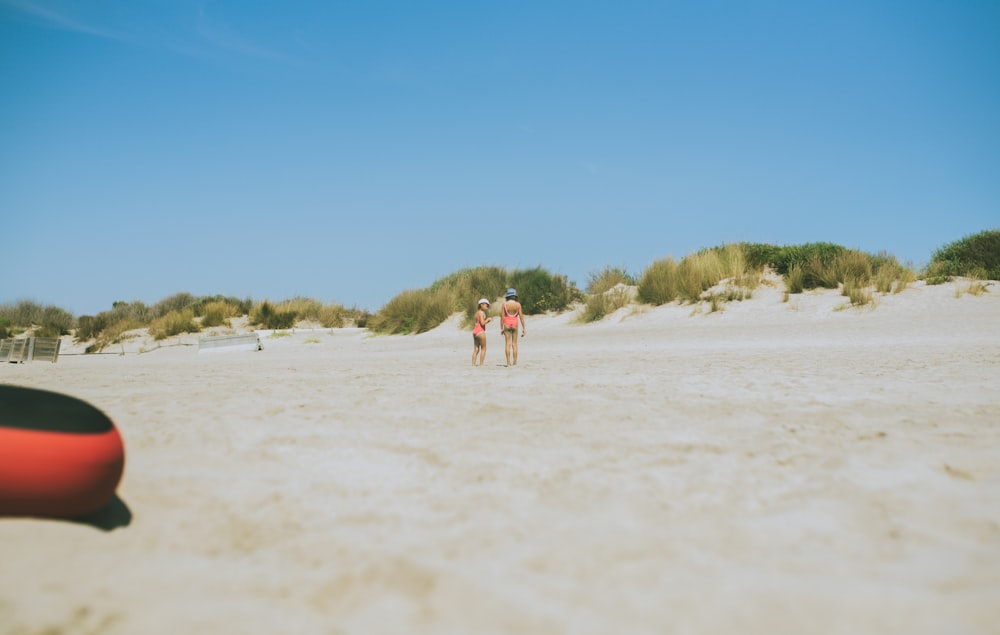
(775, 467)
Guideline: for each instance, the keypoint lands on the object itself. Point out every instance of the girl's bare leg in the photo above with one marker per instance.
(507, 343)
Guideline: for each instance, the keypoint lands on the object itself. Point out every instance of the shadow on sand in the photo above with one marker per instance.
(112, 516)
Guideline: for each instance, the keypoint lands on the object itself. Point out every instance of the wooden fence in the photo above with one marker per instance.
(222, 343)
(29, 349)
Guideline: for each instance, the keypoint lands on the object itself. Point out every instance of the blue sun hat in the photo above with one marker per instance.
(511, 293)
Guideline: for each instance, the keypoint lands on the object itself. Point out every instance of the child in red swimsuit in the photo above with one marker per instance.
(479, 332)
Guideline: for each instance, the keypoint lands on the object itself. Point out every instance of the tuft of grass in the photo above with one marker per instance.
(414, 311)
(173, 323)
(906, 277)
(667, 280)
(599, 305)
(333, 316)
(697, 273)
(856, 289)
(174, 303)
(976, 285)
(114, 334)
(607, 279)
(659, 282)
(268, 316)
(715, 303)
(217, 313)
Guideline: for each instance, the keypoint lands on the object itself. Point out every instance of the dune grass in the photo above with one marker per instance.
(693, 279)
(218, 313)
(607, 291)
(44, 320)
(420, 310)
(667, 280)
(825, 265)
(607, 279)
(598, 305)
(175, 322)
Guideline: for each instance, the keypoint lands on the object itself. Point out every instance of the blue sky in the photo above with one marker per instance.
(348, 151)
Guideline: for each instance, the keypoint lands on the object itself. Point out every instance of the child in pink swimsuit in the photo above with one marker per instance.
(479, 332)
(511, 314)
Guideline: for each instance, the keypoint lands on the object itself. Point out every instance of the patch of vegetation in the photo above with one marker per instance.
(599, 305)
(217, 313)
(415, 311)
(974, 287)
(741, 265)
(667, 280)
(44, 320)
(420, 310)
(658, 283)
(858, 291)
(541, 291)
(268, 316)
(608, 278)
(974, 256)
(173, 323)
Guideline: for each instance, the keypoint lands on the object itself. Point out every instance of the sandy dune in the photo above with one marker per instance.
(773, 468)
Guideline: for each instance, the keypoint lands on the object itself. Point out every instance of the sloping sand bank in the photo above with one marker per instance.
(773, 468)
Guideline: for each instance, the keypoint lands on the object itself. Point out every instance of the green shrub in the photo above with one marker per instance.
(759, 255)
(540, 291)
(976, 255)
(816, 256)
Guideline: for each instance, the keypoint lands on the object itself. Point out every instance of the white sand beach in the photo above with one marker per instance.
(777, 467)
